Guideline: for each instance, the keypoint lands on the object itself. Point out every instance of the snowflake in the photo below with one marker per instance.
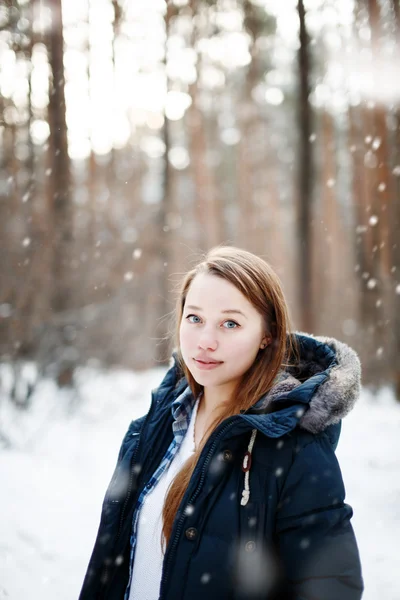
(373, 220)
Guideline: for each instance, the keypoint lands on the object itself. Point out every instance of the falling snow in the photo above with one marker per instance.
(373, 220)
(361, 228)
(5, 310)
(189, 510)
(128, 276)
(376, 143)
(370, 160)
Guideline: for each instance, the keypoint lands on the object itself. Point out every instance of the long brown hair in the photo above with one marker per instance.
(259, 283)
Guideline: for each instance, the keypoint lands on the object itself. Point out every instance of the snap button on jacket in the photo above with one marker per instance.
(191, 533)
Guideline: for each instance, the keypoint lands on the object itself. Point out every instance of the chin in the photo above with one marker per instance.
(206, 378)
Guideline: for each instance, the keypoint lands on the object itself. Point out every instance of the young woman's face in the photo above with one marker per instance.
(220, 327)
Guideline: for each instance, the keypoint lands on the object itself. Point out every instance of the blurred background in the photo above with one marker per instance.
(137, 134)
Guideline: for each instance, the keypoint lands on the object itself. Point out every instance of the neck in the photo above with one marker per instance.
(213, 399)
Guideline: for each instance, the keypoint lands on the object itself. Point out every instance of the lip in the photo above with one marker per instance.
(206, 366)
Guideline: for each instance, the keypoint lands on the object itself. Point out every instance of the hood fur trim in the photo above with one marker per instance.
(336, 396)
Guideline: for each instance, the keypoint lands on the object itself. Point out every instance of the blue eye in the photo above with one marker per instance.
(195, 316)
(234, 323)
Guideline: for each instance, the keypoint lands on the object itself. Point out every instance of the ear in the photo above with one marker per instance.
(265, 342)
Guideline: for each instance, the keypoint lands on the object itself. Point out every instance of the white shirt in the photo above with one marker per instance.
(148, 563)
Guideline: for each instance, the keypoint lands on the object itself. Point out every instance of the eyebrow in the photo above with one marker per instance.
(230, 310)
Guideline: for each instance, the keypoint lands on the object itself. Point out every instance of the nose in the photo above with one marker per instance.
(207, 340)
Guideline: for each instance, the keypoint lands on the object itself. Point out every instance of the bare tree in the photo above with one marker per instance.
(165, 255)
(59, 193)
(205, 194)
(305, 179)
(395, 220)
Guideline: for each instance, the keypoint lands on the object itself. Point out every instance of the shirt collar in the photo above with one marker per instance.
(184, 400)
(182, 409)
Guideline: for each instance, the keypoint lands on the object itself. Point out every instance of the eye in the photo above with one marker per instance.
(235, 325)
(188, 317)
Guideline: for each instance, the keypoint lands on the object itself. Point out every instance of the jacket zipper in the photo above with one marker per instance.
(192, 499)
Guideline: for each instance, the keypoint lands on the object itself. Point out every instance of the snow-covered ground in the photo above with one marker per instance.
(64, 451)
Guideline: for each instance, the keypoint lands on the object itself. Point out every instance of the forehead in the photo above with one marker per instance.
(210, 292)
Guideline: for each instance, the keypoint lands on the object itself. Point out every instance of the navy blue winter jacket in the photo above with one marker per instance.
(293, 540)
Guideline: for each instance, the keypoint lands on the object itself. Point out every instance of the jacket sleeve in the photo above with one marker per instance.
(315, 539)
(110, 513)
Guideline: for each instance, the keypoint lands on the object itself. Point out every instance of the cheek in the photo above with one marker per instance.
(244, 349)
(185, 336)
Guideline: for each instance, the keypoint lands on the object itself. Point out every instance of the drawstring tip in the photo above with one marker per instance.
(245, 497)
(246, 468)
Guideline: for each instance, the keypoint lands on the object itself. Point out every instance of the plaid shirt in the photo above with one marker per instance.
(181, 409)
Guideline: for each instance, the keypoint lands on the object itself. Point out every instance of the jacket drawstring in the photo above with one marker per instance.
(246, 469)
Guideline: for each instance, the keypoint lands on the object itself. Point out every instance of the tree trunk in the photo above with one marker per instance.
(205, 195)
(60, 174)
(360, 201)
(305, 180)
(379, 193)
(395, 224)
(60, 206)
(165, 231)
(327, 238)
(248, 221)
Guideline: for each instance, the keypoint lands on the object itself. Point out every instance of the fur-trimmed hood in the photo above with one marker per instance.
(326, 380)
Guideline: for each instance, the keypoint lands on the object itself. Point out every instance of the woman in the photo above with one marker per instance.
(232, 473)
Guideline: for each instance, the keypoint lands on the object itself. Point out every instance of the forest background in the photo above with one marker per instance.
(137, 135)
(134, 136)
